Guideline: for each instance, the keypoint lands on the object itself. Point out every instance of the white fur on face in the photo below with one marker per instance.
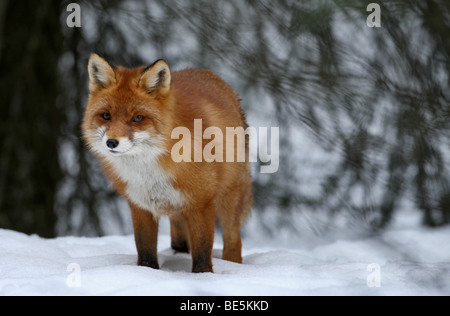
(124, 145)
(136, 162)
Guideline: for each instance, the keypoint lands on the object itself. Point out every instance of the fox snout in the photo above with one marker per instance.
(112, 143)
(117, 145)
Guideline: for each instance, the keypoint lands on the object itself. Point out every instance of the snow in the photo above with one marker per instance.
(400, 261)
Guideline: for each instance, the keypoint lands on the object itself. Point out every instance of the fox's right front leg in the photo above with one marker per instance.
(146, 236)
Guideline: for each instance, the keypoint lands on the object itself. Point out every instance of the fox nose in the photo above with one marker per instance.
(112, 143)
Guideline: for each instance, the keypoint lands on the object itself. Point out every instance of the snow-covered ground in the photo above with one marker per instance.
(401, 261)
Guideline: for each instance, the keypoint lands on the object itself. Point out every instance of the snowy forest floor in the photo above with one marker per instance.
(399, 261)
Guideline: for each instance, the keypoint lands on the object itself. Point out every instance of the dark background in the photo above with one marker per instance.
(363, 112)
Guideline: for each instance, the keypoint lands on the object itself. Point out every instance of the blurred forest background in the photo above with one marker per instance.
(364, 113)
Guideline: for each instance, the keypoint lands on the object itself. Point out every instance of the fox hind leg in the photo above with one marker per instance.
(232, 244)
(233, 209)
(179, 233)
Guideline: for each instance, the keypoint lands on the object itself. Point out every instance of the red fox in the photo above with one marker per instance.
(128, 123)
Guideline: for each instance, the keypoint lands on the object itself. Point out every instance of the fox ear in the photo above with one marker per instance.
(101, 74)
(156, 78)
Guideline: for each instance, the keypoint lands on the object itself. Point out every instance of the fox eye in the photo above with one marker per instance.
(106, 116)
(137, 119)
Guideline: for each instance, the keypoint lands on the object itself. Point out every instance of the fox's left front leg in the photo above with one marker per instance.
(201, 231)
(146, 236)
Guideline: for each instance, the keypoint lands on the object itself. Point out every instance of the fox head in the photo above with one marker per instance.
(127, 108)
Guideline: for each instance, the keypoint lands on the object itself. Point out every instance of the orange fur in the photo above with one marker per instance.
(192, 194)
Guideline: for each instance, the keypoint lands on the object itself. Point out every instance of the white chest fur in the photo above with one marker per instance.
(148, 185)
